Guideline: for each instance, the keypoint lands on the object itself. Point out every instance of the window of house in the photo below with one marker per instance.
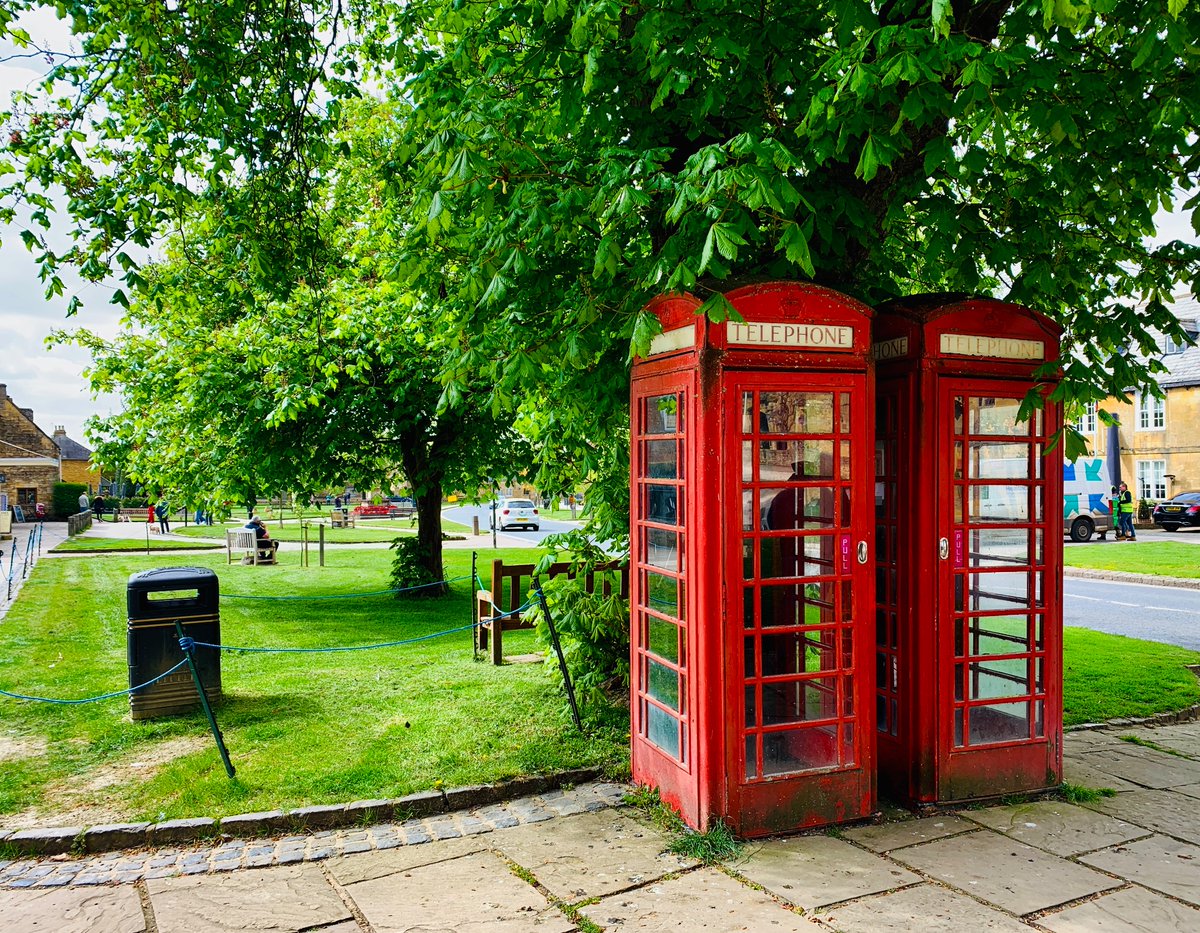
(26, 498)
(1152, 479)
(1171, 345)
(1152, 412)
(1087, 421)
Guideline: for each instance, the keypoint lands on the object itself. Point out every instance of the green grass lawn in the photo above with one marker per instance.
(86, 543)
(1160, 558)
(332, 727)
(301, 728)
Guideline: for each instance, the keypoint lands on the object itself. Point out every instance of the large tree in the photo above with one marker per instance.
(568, 160)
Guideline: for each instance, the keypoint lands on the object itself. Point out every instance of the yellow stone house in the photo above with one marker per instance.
(1158, 438)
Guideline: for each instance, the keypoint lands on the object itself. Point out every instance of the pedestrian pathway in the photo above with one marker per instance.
(576, 860)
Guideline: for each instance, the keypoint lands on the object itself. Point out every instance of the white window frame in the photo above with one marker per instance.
(1086, 425)
(1170, 345)
(1151, 412)
(1151, 479)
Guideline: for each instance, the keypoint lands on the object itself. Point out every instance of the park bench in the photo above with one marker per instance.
(244, 539)
(509, 585)
(341, 519)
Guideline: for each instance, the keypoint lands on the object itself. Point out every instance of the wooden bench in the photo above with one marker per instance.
(509, 585)
(244, 539)
(341, 519)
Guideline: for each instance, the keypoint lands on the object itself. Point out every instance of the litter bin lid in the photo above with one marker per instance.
(171, 577)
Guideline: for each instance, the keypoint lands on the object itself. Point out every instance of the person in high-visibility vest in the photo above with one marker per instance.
(1124, 505)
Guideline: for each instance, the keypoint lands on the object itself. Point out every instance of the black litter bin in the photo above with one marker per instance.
(157, 599)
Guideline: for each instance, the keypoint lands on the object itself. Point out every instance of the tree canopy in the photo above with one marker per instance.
(551, 165)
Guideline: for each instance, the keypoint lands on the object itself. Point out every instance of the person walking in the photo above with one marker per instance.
(98, 507)
(1125, 508)
(163, 511)
(84, 503)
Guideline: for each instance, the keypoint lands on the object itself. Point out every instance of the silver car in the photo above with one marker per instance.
(515, 513)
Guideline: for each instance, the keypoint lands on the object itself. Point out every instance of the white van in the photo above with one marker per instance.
(1087, 491)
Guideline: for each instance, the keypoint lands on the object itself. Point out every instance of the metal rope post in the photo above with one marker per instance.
(562, 661)
(186, 644)
(474, 607)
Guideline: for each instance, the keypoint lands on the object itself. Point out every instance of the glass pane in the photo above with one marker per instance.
(662, 594)
(799, 653)
(748, 522)
(999, 635)
(662, 415)
(958, 460)
(661, 459)
(748, 560)
(751, 758)
(994, 591)
(799, 750)
(958, 415)
(1004, 722)
(796, 413)
(751, 707)
(661, 504)
(789, 461)
(844, 420)
(996, 416)
(747, 462)
(783, 557)
(799, 701)
(990, 460)
(790, 509)
(999, 679)
(662, 549)
(662, 683)
(747, 412)
(998, 503)
(662, 639)
(998, 547)
(662, 729)
(844, 450)
(796, 604)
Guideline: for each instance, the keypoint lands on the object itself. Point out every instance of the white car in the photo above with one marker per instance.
(515, 513)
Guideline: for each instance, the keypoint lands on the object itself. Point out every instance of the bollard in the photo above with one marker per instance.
(321, 546)
(475, 524)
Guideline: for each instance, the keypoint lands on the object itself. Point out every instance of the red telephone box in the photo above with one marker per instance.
(750, 520)
(968, 505)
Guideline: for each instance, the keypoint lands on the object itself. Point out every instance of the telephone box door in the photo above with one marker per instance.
(998, 644)
(798, 636)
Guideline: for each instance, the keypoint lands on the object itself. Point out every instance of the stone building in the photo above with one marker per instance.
(30, 461)
(1158, 438)
(76, 461)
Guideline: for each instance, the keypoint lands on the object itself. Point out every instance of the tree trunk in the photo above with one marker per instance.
(429, 530)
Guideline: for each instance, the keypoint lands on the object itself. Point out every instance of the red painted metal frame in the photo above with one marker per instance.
(708, 782)
(920, 762)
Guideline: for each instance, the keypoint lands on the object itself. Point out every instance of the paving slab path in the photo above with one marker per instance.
(579, 860)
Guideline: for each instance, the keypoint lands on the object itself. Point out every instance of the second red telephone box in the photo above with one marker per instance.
(751, 596)
(968, 538)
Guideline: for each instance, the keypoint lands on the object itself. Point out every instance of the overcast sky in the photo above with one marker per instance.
(50, 380)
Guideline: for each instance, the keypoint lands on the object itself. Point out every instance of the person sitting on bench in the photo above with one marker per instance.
(267, 546)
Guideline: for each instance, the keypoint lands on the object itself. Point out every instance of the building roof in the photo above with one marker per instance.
(71, 450)
(1183, 367)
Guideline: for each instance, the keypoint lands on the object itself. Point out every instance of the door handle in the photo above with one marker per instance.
(862, 552)
(944, 548)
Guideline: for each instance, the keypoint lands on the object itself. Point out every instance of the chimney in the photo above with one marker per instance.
(3, 391)
(60, 431)
(27, 412)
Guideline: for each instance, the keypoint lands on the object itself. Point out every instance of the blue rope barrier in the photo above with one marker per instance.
(385, 644)
(404, 589)
(105, 696)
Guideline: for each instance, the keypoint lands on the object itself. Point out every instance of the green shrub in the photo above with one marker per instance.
(594, 633)
(64, 498)
(408, 571)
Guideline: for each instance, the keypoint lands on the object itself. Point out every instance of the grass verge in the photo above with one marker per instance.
(1156, 558)
(301, 728)
(1110, 676)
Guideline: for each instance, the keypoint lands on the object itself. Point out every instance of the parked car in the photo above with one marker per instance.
(1183, 509)
(515, 513)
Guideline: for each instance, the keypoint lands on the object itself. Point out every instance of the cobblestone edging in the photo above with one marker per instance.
(230, 854)
(1121, 576)
(81, 840)
(1190, 714)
